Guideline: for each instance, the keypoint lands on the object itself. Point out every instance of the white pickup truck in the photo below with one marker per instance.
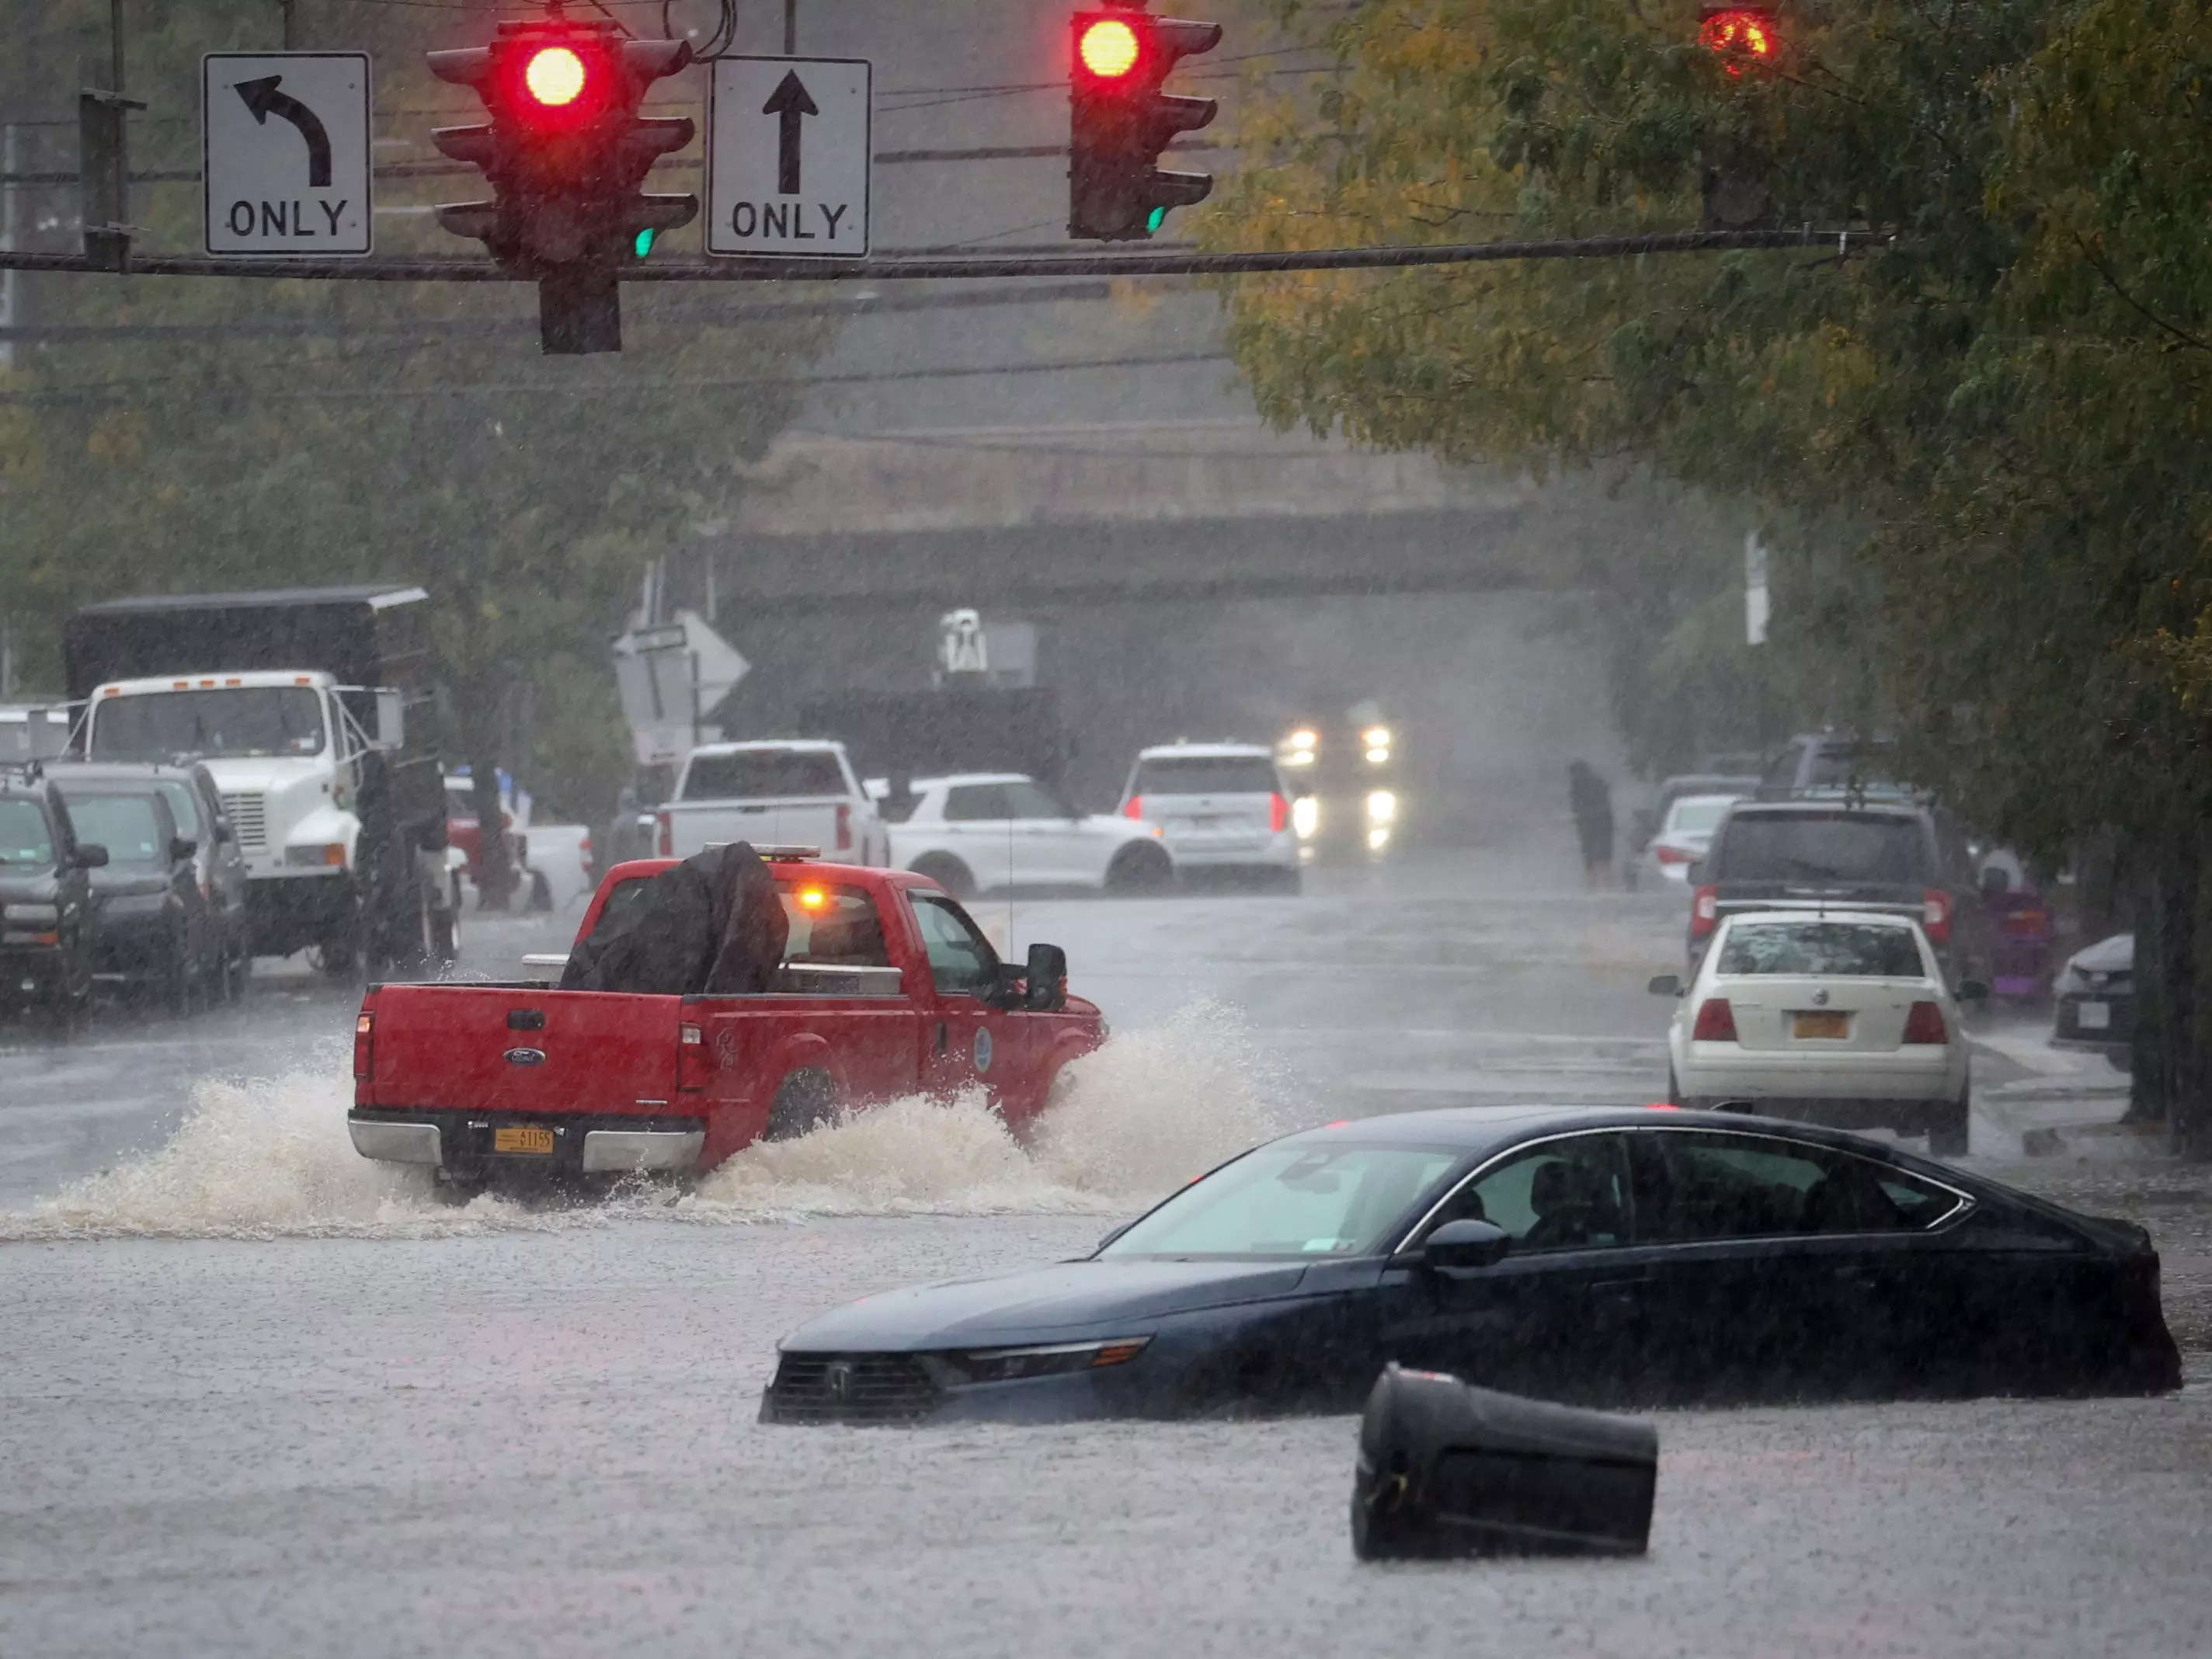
(782, 792)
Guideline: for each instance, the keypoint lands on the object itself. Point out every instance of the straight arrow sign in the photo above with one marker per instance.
(264, 101)
(790, 102)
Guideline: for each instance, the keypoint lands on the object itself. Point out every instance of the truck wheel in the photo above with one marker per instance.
(1140, 867)
(947, 872)
(336, 954)
(806, 1101)
(445, 938)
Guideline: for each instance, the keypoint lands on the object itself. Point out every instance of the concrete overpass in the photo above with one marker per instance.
(1206, 510)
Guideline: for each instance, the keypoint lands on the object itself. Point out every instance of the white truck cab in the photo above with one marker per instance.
(286, 757)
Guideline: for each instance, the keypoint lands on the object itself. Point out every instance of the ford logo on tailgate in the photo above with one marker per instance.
(526, 1056)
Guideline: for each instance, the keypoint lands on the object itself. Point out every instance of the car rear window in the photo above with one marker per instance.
(1821, 947)
(1822, 846)
(1695, 814)
(757, 774)
(1205, 774)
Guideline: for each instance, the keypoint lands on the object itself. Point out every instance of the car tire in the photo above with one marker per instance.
(178, 981)
(1140, 867)
(237, 974)
(805, 1101)
(445, 938)
(947, 872)
(541, 894)
(1947, 1130)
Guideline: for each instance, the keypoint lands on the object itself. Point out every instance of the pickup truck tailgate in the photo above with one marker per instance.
(522, 1048)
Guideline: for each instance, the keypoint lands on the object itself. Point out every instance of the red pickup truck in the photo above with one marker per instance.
(888, 988)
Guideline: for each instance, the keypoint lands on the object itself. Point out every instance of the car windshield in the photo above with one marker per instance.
(1823, 847)
(25, 837)
(1695, 815)
(1205, 774)
(1295, 1199)
(1866, 949)
(248, 723)
(755, 774)
(126, 825)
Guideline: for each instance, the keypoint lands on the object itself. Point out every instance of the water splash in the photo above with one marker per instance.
(271, 1158)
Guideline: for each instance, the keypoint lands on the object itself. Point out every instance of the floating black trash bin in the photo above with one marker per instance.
(1447, 1469)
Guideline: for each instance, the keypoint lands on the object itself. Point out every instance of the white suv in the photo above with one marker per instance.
(1222, 807)
(979, 830)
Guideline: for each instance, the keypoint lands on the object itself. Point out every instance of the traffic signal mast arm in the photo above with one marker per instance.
(1120, 120)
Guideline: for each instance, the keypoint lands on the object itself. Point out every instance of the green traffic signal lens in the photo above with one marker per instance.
(1159, 217)
(644, 243)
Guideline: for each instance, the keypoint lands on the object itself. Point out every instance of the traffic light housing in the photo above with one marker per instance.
(1742, 36)
(566, 153)
(1120, 120)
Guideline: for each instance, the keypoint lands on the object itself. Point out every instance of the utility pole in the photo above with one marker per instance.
(104, 156)
(11, 198)
(291, 10)
(791, 28)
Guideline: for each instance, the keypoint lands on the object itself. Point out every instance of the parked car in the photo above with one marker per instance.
(1222, 808)
(49, 926)
(1618, 1256)
(1900, 857)
(2095, 1000)
(219, 865)
(1645, 824)
(156, 925)
(1841, 1017)
(981, 831)
(1684, 835)
(1833, 761)
(887, 988)
(796, 793)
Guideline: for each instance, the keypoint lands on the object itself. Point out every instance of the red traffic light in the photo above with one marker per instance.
(1108, 48)
(1739, 34)
(555, 76)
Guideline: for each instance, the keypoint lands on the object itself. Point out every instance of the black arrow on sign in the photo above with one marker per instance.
(790, 102)
(263, 99)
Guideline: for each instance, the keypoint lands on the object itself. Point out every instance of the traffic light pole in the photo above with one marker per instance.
(1840, 241)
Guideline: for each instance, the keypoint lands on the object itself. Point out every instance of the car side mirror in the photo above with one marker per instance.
(91, 855)
(1665, 985)
(182, 848)
(1046, 989)
(1973, 990)
(1458, 1245)
(222, 835)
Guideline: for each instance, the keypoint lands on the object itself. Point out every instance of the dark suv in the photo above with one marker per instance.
(1837, 853)
(49, 925)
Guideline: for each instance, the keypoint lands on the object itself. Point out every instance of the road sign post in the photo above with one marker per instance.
(788, 157)
(285, 154)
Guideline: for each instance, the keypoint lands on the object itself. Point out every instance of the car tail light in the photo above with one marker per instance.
(1705, 912)
(1925, 1024)
(690, 1059)
(2026, 924)
(1716, 1022)
(1936, 915)
(364, 1045)
(844, 826)
(1134, 807)
(1278, 813)
(1667, 854)
(667, 834)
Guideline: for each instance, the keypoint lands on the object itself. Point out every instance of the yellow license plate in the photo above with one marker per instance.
(524, 1138)
(1820, 1025)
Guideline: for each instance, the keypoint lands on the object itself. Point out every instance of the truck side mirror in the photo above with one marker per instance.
(1665, 985)
(1047, 990)
(223, 834)
(91, 855)
(390, 717)
(182, 848)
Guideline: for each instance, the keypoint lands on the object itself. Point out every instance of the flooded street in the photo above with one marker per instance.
(266, 1398)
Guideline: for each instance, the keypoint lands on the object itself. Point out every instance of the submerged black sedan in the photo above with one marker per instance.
(1599, 1255)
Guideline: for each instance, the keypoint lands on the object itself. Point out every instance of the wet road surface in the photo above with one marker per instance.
(263, 1397)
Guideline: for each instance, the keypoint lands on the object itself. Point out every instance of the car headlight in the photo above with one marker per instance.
(1382, 806)
(329, 854)
(1053, 1359)
(1376, 737)
(34, 915)
(1305, 816)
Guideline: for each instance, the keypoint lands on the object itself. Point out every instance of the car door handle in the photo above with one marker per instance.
(1621, 1285)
